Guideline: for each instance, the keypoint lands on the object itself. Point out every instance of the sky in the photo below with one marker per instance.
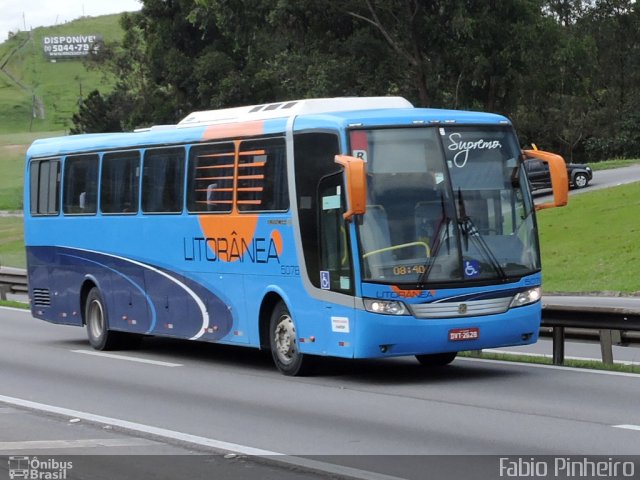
(26, 14)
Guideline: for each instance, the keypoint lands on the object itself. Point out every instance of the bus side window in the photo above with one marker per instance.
(163, 180)
(119, 182)
(80, 190)
(45, 187)
(262, 176)
(211, 173)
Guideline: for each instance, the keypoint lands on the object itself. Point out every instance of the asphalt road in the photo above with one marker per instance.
(376, 416)
(185, 402)
(102, 452)
(613, 177)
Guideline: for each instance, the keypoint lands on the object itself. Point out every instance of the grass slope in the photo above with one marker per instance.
(12, 253)
(15, 103)
(59, 85)
(13, 147)
(592, 244)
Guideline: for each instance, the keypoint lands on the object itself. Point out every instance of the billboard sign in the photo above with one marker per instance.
(71, 46)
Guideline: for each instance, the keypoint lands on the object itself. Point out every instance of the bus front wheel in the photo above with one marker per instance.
(436, 359)
(283, 342)
(95, 317)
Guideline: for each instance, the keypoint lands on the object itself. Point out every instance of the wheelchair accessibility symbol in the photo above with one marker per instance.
(325, 282)
(471, 268)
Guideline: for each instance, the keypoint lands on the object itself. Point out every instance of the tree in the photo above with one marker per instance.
(567, 72)
(95, 114)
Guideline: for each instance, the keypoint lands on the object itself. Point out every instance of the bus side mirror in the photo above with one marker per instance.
(559, 177)
(355, 170)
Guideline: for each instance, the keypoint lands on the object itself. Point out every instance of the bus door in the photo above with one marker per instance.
(335, 260)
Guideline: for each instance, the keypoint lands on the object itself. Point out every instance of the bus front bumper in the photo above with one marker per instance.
(388, 335)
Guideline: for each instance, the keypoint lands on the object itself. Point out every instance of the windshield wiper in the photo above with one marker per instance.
(469, 230)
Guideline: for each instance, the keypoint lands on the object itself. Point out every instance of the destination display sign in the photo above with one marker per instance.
(71, 46)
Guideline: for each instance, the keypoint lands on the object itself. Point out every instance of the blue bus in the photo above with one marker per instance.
(344, 227)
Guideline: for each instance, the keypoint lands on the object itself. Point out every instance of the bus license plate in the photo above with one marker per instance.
(461, 334)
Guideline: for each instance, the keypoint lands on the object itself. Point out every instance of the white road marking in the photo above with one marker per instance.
(551, 367)
(628, 427)
(212, 443)
(544, 355)
(127, 358)
(86, 443)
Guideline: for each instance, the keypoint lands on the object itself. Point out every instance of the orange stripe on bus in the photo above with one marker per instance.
(252, 152)
(216, 166)
(213, 178)
(217, 155)
(250, 177)
(233, 130)
(254, 164)
(242, 227)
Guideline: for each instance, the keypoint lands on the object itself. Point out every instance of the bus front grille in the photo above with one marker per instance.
(471, 308)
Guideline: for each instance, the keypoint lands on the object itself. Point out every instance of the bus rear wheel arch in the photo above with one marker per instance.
(96, 319)
(283, 342)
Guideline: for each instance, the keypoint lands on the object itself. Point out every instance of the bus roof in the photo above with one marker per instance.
(266, 119)
(293, 108)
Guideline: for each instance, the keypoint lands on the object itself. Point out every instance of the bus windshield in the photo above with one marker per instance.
(445, 204)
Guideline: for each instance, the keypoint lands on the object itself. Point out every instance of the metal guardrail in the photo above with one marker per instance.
(605, 319)
(12, 280)
(558, 317)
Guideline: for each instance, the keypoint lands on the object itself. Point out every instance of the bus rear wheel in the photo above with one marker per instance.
(96, 320)
(437, 359)
(283, 342)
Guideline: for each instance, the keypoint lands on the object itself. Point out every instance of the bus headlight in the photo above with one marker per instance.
(386, 307)
(526, 298)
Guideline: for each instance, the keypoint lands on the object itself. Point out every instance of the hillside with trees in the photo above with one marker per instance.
(37, 94)
(567, 72)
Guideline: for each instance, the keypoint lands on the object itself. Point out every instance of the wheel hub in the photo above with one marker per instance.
(285, 339)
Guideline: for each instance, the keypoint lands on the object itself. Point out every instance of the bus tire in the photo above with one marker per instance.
(283, 342)
(96, 320)
(436, 359)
